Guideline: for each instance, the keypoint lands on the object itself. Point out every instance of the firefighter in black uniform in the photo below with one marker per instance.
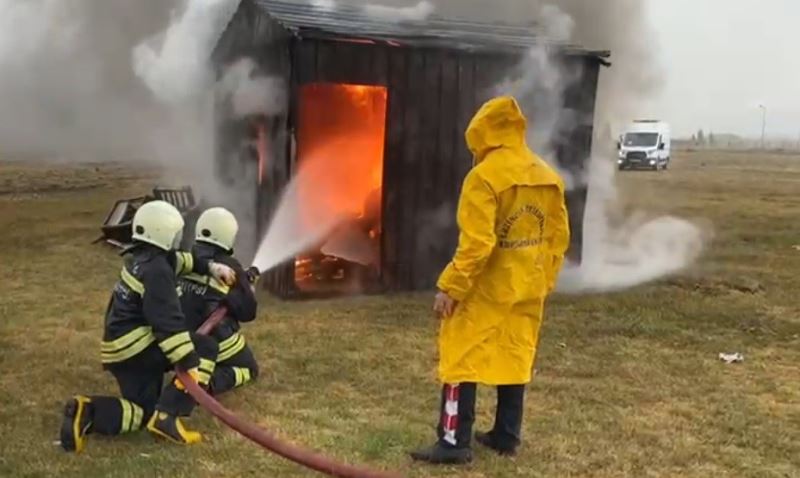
(145, 336)
(215, 235)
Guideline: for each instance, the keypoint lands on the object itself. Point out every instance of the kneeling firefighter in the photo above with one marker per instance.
(145, 336)
(514, 232)
(201, 295)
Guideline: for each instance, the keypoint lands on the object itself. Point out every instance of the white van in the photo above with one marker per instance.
(645, 144)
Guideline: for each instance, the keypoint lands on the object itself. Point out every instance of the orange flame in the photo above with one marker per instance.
(341, 139)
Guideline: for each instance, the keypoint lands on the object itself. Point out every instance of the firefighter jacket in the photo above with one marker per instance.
(514, 232)
(201, 295)
(144, 307)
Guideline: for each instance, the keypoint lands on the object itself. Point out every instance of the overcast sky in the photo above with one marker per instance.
(722, 58)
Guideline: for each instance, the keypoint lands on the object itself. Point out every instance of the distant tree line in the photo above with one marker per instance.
(701, 139)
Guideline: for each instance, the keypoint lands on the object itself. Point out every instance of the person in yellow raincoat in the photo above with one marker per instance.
(514, 232)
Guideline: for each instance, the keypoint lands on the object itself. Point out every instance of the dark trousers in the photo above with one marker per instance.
(141, 385)
(229, 374)
(457, 415)
(238, 370)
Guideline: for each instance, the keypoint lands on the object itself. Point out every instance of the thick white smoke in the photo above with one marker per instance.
(174, 64)
(250, 93)
(121, 80)
(541, 85)
(621, 251)
(66, 85)
(617, 254)
(117, 80)
(69, 83)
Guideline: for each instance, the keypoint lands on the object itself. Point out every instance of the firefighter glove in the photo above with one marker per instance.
(222, 273)
(192, 372)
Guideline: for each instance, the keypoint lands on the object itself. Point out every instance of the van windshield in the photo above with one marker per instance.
(641, 139)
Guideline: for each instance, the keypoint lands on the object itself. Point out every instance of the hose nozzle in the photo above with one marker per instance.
(253, 275)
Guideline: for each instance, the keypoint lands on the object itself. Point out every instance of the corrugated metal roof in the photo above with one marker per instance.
(336, 21)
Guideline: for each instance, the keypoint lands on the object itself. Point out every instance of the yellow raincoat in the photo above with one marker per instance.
(514, 232)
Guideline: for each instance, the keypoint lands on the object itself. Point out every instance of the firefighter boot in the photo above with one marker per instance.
(76, 423)
(170, 427)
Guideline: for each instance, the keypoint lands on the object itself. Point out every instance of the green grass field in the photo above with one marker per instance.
(628, 384)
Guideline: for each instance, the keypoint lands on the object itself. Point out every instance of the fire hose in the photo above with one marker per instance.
(267, 440)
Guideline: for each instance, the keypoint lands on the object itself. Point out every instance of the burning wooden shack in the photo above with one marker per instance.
(387, 101)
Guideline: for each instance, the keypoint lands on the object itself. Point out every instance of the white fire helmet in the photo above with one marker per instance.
(158, 223)
(217, 226)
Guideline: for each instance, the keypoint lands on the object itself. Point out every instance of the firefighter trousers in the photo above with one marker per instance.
(234, 372)
(141, 385)
(229, 374)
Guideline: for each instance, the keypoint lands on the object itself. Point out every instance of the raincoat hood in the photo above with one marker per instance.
(499, 123)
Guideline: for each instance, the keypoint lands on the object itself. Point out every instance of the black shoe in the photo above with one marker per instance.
(487, 440)
(440, 455)
(76, 424)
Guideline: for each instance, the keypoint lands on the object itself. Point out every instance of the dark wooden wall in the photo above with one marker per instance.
(432, 96)
(433, 93)
(573, 143)
(253, 34)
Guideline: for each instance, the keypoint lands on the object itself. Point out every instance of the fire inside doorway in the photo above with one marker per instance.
(341, 142)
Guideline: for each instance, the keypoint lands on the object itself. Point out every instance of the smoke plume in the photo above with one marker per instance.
(539, 84)
(618, 252)
(116, 80)
(174, 64)
(130, 81)
(622, 253)
(250, 93)
(66, 84)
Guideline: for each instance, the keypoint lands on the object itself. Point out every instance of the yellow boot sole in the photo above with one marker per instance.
(73, 437)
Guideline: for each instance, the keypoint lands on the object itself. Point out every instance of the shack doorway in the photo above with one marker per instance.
(341, 136)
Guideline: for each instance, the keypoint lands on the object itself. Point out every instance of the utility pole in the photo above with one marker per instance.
(763, 126)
